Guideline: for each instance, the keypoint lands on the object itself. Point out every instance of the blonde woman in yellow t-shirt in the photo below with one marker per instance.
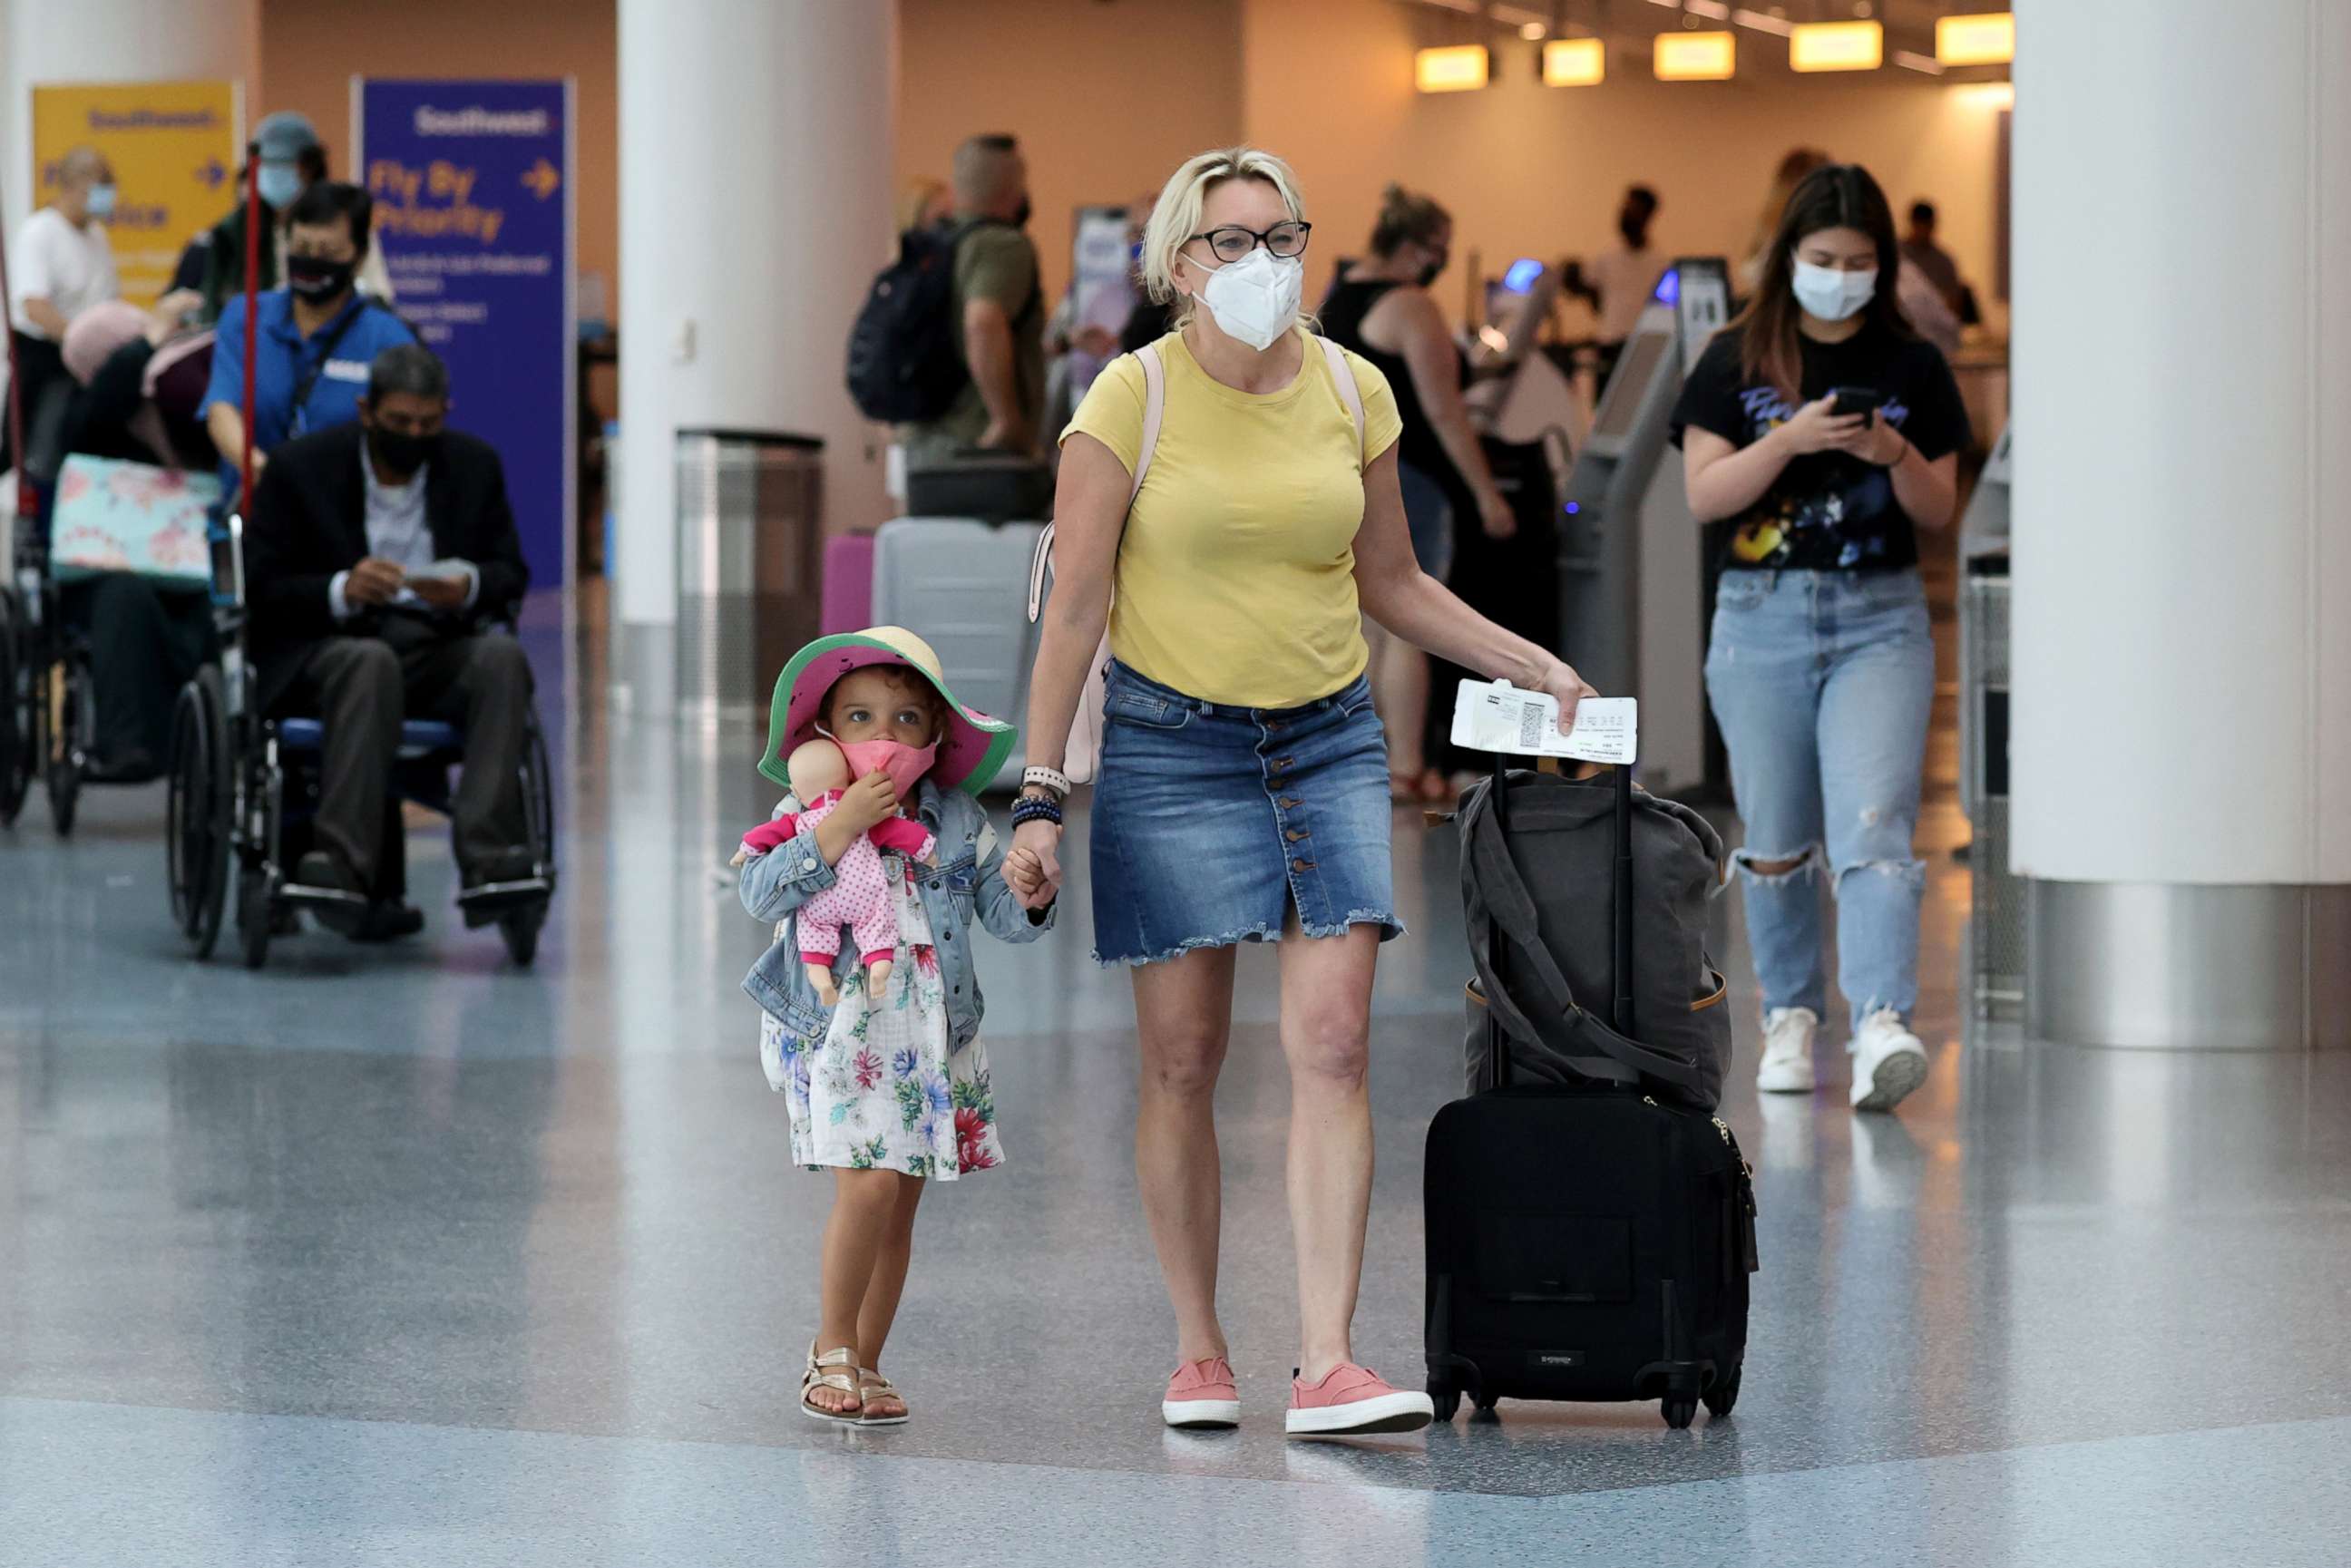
(1243, 793)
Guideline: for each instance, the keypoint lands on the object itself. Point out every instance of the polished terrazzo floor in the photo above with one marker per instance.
(401, 1255)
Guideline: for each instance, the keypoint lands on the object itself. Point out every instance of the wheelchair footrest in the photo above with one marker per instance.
(324, 897)
(485, 903)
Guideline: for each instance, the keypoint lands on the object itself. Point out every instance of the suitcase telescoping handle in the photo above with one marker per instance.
(1620, 906)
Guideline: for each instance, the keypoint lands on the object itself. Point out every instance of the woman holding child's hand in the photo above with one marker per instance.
(1243, 793)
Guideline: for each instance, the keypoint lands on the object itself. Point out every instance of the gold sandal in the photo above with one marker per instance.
(816, 1378)
(873, 1385)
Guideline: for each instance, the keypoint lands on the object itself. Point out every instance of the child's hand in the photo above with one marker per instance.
(741, 856)
(1024, 872)
(867, 803)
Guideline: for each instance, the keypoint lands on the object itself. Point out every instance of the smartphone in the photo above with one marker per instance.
(1857, 399)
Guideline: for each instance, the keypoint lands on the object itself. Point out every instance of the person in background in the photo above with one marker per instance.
(317, 335)
(924, 204)
(1620, 280)
(375, 554)
(1821, 668)
(1932, 261)
(1000, 307)
(1381, 310)
(61, 264)
(1150, 320)
(1798, 163)
(293, 161)
(144, 644)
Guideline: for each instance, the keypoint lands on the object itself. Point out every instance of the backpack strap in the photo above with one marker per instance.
(1343, 374)
(1155, 411)
(1500, 903)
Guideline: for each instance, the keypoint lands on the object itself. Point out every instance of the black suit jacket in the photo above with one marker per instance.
(309, 521)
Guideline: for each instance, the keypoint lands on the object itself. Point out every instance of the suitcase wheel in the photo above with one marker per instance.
(1724, 1394)
(1680, 1409)
(1447, 1401)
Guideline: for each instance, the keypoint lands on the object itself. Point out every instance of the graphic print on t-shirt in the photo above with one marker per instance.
(1838, 522)
(1827, 511)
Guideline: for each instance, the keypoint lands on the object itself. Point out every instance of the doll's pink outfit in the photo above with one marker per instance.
(859, 897)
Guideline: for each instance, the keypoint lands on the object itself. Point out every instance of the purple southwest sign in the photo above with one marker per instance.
(472, 182)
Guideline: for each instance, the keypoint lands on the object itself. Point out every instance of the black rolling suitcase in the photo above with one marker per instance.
(1587, 1241)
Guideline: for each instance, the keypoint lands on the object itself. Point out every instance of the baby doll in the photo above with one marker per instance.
(860, 895)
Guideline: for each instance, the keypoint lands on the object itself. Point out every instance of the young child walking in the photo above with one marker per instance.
(887, 1086)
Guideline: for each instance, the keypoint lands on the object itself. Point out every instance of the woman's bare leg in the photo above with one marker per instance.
(1326, 1008)
(1184, 1013)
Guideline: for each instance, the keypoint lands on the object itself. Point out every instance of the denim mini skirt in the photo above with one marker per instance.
(1212, 822)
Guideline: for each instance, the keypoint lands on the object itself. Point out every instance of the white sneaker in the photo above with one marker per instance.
(1787, 1066)
(1888, 1063)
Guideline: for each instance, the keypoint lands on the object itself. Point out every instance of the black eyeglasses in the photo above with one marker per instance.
(1233, 242)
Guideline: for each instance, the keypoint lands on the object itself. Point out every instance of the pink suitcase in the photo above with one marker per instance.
(847, 604)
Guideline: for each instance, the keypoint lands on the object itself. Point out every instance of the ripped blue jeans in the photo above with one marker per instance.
(1822, 681)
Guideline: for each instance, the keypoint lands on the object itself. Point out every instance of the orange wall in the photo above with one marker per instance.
(1110, 94)
(1528, 170)
(1107, 96)
(310, 50)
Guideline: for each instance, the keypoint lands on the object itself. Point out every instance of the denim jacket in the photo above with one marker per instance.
(968, 878)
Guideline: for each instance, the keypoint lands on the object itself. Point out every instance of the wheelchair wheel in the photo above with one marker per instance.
(520, 930)
(538, 803)
(253, 916)
(66, 699)
(15, 710)
(202, 810)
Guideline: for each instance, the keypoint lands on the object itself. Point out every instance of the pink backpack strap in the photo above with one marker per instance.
(1343, 374)
(1154, 410)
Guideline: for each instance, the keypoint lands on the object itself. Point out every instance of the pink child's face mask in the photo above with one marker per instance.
(904, 763)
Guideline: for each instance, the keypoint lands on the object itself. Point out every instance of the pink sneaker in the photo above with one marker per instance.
(1350, 1402)
(1201, 1397)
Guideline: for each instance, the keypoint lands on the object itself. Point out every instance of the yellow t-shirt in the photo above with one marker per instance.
(1236, 577)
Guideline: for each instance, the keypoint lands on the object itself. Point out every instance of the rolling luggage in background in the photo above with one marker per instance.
(846, 603)
(991, 487)
(963, 587)
(1588, 1239)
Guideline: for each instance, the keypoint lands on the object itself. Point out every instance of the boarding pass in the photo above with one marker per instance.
(1494, 716)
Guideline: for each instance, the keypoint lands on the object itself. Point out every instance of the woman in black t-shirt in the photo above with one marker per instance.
(1381, 310)
(1829, 431)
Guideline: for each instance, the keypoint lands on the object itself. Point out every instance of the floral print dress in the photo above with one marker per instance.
(880, 1090)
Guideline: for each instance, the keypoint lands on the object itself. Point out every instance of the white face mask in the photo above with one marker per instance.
(1832, 295)
(1255, 299)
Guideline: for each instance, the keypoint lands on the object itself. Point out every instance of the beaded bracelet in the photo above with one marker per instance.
(1036, 809)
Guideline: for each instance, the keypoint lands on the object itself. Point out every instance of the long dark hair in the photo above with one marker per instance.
(1838, 196)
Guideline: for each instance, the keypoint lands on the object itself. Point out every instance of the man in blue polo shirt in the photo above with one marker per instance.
(317, 336)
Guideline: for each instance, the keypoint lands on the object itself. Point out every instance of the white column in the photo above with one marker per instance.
(109, 40)
(755, 168)
(2181, 749)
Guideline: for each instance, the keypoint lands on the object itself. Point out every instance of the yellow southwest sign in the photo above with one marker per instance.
(175, 147)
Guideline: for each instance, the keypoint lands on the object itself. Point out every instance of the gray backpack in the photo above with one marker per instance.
(1587, 904)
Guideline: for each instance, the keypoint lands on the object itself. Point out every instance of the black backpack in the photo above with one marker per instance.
(905, 353)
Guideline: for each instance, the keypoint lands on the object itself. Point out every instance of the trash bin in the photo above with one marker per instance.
(750, 565)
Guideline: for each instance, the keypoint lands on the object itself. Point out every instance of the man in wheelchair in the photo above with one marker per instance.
(379, 558)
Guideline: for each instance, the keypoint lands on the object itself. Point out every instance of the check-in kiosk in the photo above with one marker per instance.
(1517, 392)
(1632, 563)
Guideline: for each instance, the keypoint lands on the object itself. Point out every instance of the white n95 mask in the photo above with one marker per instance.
(1830, 294)
(1255, 299)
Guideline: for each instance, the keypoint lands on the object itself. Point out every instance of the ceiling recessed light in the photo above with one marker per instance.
(1988, 38)
(1837, 47)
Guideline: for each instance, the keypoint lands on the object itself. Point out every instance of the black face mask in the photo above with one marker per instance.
(1021, 214)
(1634, 230)
(315, 279)
(400, 453)
(1428, 274)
